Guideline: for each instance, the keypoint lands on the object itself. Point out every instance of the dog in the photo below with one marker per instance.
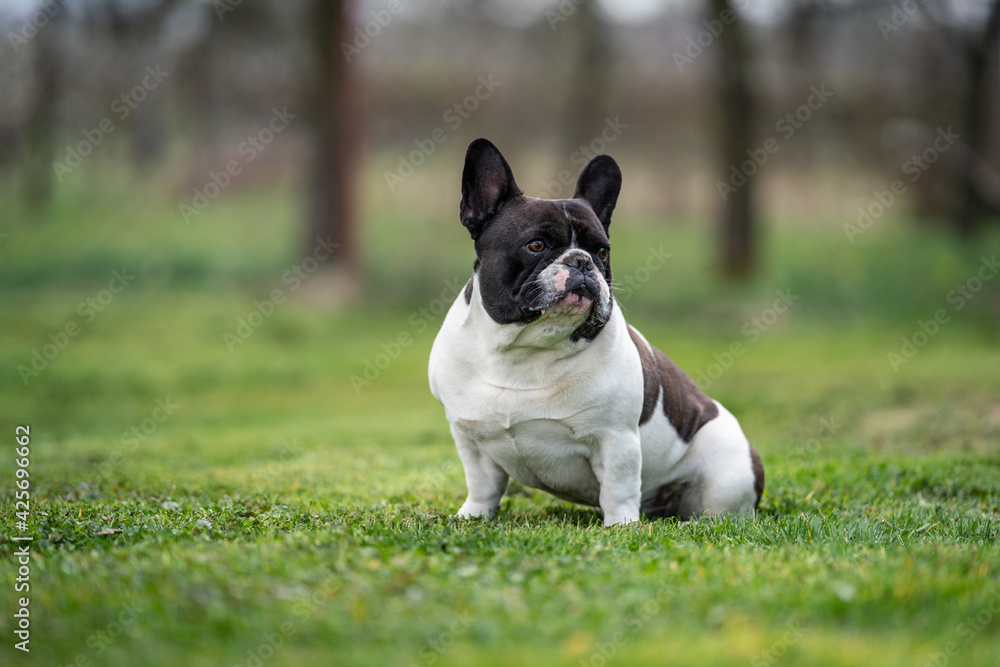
(542, 380)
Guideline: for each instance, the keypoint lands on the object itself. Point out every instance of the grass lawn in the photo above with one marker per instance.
(200, 505)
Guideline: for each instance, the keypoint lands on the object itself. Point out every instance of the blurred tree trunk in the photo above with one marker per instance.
(804, 35)
(135, 34)
(585, 105)
(738, 224)
(972, 204)
(40, 129)
(147, 129)
(334, 113)
(198, 89)
(937, 76)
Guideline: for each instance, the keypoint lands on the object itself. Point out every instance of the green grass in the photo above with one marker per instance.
(277, 505)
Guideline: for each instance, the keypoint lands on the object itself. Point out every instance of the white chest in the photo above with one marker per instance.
(548, 454)
(543, 416)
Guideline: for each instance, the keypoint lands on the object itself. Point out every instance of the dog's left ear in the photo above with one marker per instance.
(487, 184)
(599, 185)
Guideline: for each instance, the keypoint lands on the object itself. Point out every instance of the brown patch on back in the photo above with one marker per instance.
(684, 403)
(650, 377)
(758, 474)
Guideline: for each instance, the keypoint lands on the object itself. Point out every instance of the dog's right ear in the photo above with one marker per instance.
(487, 184)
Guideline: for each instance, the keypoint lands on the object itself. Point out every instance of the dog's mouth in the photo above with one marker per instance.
(571, 297)
(579, 300)
(575, 302)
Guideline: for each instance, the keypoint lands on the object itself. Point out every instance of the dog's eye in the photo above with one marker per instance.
(603, 253)
(537, 245)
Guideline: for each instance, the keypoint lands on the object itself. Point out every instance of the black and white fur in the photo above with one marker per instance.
(542, 380)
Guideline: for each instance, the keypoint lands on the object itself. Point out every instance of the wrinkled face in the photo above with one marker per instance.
(542, 259)
(538, 259)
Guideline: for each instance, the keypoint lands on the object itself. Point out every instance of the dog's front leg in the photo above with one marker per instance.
(485, 480)
(618, 467)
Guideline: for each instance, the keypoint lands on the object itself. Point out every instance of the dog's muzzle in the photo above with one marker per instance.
(571, 285)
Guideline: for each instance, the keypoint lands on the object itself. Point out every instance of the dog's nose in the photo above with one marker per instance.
(580, 262)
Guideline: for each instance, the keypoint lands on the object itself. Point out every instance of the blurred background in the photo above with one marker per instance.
(234, 156)
(733, 115)
(229, 233)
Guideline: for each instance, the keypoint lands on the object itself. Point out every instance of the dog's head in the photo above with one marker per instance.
(540, 259)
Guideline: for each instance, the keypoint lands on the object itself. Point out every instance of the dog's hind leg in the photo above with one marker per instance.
(674, 499)
(721, 473)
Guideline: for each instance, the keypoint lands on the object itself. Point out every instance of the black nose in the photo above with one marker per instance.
(580, 262)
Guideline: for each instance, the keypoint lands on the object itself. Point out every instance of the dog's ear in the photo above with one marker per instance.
(487, 184)
(599, 185)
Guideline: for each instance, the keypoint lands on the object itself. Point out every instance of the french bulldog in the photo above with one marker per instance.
(542, 380)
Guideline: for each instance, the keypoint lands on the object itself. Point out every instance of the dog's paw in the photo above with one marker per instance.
(620, 520)
(472, 510)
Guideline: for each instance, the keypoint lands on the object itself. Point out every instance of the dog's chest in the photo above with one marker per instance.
(541, 453)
